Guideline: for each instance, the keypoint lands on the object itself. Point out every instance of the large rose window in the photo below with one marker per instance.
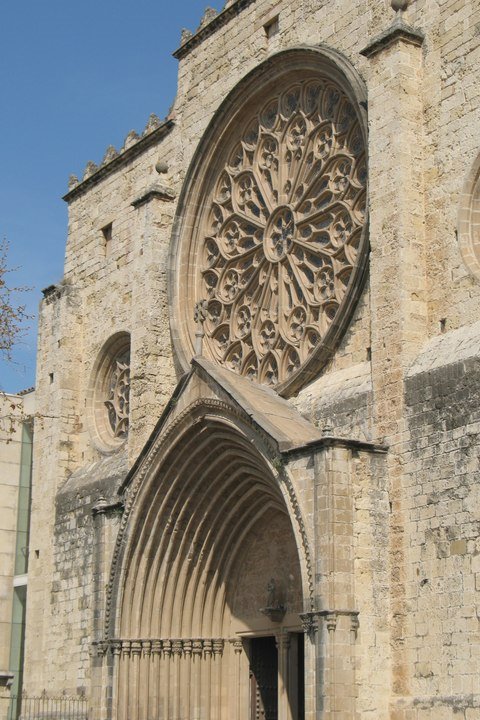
(280, 239)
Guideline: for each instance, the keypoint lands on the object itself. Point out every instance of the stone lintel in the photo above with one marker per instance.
(398, 31)
(215, 24)
(125, 157)
(158, 191)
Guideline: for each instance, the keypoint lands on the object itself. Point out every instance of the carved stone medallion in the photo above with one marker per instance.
(280, 234)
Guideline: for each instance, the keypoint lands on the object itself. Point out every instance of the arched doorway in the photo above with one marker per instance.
(212, 581)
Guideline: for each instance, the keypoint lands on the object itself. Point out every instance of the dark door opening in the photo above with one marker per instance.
(263, 679)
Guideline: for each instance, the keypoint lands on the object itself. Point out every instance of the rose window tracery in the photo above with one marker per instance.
(282, 231)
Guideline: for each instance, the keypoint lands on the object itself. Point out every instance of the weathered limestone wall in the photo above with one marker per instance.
(443, 527)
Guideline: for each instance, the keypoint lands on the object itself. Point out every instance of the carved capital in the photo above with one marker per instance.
(237, 645)
(177, 647)
(309, 624)
(116, 647)
(207, 647)
(126, 648)
(218, 645)
(136, 647)
(156, 647)
(167, 648)
(331, 621)
(197, 647)
(188, 647)
(282, 641)
(99, 648)
(146, 647)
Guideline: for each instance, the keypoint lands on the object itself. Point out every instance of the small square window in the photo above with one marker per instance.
(271, 27)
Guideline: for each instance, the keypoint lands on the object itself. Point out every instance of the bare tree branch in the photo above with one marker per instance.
(12, 315)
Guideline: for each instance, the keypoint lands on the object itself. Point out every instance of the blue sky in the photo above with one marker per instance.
(74, 78)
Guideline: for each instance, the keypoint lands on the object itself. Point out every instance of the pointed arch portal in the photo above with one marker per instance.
(212, 580)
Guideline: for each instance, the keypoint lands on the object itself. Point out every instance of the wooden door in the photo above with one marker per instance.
(263, 679)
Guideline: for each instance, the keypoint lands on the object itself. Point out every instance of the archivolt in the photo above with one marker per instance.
(204, 484)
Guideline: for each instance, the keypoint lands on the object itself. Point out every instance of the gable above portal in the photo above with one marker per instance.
(208, 388)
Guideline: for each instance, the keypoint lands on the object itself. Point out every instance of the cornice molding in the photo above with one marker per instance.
(158, 191)
(399, 30)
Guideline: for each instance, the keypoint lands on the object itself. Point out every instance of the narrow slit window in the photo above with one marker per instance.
(107, 238)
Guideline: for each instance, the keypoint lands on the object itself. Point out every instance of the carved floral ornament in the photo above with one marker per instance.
(279, 243)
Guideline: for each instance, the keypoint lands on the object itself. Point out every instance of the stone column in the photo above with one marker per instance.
(336, 593)
(145, 681)
(99, 658)
(218, 648)
(155, 677)
(197, 651)
(206, 682)
(282, 640)
(134, 697)
(124, 681)
(397, 272)
(310, 628)
(187, 678)
(167, 683)
(237, 676)
(114, 674)
(176, 667)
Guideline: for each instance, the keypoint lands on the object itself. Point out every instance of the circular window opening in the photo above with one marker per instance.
(111, 393)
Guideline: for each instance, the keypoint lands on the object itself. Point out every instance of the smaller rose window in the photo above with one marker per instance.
(468, 230)
(117, 403)
(108, 400)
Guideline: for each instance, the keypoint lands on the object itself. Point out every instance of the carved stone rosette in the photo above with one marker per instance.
(280, 238)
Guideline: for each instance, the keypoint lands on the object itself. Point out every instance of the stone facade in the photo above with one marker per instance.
(183, 513)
